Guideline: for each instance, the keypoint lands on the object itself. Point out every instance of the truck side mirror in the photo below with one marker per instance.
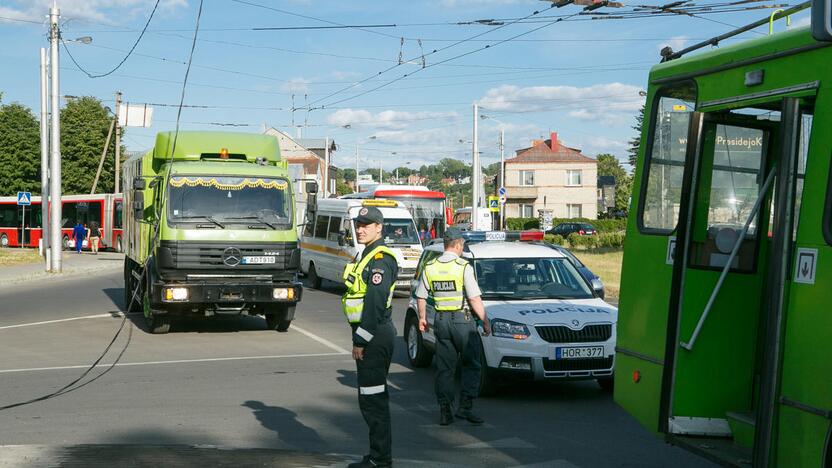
(138, 184)
(312, 188)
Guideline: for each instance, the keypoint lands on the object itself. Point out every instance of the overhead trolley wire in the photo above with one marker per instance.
(135, 44)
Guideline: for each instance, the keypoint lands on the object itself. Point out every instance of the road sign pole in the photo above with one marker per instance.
(23, 228)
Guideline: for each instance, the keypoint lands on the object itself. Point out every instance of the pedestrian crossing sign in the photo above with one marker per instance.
(494, 204)
(24, 198)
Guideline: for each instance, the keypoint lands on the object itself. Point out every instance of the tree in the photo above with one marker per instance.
(84, 127)
(635, 142)
(20, 155)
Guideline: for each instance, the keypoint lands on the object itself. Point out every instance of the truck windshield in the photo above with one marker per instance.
(399, 231)
(530, 278)
(230, 200)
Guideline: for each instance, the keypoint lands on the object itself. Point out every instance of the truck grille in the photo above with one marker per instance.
(209, 255)
(563, 334)
(560, 365)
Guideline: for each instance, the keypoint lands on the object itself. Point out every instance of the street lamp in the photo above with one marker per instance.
(502, 160)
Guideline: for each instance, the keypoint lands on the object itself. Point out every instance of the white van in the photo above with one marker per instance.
(328, 239)
(463, 219)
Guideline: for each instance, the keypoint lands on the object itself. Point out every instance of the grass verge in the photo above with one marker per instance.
(605, 263)
(10, 257)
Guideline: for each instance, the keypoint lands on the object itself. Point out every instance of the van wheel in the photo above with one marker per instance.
(417, 352)
(158, 324)
(314, 280)
(607, 384)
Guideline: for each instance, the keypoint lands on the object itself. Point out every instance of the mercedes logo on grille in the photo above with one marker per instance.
(231, 256)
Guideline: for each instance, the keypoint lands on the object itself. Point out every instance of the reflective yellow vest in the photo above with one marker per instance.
(352, 302)
(445, 282)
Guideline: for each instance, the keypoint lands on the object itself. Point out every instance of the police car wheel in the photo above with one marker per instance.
(314, 280)
(417, 352)
(606, 383)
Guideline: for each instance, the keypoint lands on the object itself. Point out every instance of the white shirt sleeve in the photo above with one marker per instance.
(469, 281)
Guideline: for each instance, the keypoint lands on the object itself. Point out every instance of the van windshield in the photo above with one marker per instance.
(399, 231)
(229, 200)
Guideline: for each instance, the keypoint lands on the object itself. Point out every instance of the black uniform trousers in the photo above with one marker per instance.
(373, 398)
(456, 333)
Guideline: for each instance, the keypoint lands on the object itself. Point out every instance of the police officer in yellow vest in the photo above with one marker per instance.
(448, 281)
(368, 306)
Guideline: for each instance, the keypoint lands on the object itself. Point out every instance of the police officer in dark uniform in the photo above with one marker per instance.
(368, 306)
(449, 282)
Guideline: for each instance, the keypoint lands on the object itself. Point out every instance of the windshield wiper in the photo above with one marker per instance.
(208, 218)
(490, 295)
(256, 218)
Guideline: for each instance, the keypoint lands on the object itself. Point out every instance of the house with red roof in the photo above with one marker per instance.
(552, 177)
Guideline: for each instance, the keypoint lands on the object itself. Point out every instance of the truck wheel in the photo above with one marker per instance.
(417, 352)
(156, 323)
(607, 384)
(131, 304)
(314, 280)
(276, 319)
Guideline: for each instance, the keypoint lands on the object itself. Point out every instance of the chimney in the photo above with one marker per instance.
(553, 142)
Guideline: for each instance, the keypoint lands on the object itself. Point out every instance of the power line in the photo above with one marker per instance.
(135, 44)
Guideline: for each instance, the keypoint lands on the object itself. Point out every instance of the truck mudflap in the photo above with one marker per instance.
(237, 295)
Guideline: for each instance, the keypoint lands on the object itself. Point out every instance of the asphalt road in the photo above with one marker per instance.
(225, 391)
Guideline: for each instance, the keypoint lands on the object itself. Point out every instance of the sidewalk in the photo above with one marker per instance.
(72, 263)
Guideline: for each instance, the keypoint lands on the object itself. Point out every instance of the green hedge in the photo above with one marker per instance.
(602, 225)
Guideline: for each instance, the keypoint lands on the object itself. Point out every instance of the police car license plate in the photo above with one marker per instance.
(257, 260)
(582, 352)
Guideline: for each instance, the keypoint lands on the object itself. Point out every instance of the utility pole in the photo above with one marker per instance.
(380, 175)
(475, 175)
(355, 187)
(326, 170)
(44, 154)
(502, 174)
(118, 143)
(55, 141)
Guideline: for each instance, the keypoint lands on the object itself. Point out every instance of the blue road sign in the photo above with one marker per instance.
(24, 198)
(502, 191)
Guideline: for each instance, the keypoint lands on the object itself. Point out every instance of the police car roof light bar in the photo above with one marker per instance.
(508, 236)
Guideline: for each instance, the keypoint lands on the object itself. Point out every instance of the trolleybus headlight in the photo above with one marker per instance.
(283, 293)
(176, 294)
(508, 329)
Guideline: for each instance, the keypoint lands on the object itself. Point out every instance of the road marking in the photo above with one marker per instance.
(320, 340)
(47, 322)
(178, 361)
(550, 464)
(510, 442)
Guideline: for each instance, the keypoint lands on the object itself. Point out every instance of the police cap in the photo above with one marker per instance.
(369, 215)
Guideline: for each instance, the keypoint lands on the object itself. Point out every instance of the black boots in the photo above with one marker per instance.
(445, 415)
(466, 411)
(366, 462)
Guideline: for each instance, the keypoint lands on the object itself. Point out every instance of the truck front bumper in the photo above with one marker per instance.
(226, 295)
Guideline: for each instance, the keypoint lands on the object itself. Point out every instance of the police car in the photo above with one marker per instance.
(547, 322)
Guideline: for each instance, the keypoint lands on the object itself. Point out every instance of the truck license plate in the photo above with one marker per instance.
(582, 352)
(257, 260)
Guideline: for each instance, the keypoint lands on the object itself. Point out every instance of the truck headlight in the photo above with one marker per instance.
(283, 293)
(176, 294)
(508, 329)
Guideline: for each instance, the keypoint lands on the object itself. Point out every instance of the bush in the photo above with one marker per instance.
(556, 239)
(604, 239)
(522, 224)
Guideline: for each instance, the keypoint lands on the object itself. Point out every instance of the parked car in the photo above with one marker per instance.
(564, 229)
(591, 277)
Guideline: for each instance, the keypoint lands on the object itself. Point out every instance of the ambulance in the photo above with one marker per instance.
(328, 241)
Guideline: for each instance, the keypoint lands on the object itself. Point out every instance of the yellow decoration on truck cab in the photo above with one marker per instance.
(213, 182)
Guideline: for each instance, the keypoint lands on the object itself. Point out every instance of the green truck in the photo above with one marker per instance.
(210, 229)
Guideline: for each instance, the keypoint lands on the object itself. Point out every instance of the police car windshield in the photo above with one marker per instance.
(530, 278)
(399, 231)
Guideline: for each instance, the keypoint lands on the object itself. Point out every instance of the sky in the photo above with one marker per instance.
(397, 85)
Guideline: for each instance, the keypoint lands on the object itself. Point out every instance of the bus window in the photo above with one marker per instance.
(9, 216)
(321, 224)
(665, 164)
(69, 213)
(118, 215)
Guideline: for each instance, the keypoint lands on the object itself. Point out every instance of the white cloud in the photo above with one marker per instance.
(385, 120)
(805, 21)
(105, 11)
(480, 3)
(610, 104)
(297, 85)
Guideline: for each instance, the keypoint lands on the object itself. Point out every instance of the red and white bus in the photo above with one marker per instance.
(105, 208)
(427, 207)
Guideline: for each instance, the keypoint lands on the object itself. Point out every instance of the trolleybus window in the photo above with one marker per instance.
(665, 163)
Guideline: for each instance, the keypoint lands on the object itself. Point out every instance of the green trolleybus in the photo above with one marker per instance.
(725, 325)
